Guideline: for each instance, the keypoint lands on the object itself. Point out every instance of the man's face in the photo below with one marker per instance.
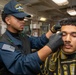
(15, 24)
(69, 38)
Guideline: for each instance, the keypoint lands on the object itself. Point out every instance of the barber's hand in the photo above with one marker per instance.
(55, 41)
(56, 28)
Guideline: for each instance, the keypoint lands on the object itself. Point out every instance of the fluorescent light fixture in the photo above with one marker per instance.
(43, 19)
(71, 12)
(61, 2)
(32, 15)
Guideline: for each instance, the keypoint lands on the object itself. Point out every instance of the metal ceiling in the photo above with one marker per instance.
(44, 8)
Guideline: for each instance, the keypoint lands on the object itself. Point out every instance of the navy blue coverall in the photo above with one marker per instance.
(18, 63)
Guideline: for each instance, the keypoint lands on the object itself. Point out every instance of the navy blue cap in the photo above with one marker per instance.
(14, 8)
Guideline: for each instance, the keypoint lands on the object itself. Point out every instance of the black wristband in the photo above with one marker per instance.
(53, 30)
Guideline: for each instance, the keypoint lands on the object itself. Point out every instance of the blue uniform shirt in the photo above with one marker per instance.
(18, 63)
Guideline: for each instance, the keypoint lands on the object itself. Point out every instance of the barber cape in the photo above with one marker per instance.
(60, 64)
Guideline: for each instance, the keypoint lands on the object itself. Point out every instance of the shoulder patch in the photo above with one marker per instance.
(8, 47)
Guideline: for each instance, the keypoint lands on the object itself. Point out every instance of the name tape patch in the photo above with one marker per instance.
(8, 47)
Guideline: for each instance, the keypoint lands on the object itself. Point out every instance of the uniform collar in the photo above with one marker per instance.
(14, 40)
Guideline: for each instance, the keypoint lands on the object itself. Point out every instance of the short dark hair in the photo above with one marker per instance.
(68, 21)
(3, 15)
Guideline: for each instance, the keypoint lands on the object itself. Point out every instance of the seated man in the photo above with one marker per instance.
(63, 62)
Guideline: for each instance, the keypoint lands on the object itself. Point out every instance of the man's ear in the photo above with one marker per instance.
(7, 19)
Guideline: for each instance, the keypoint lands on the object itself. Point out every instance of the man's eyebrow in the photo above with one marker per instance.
(70, 32)
(73, 32)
